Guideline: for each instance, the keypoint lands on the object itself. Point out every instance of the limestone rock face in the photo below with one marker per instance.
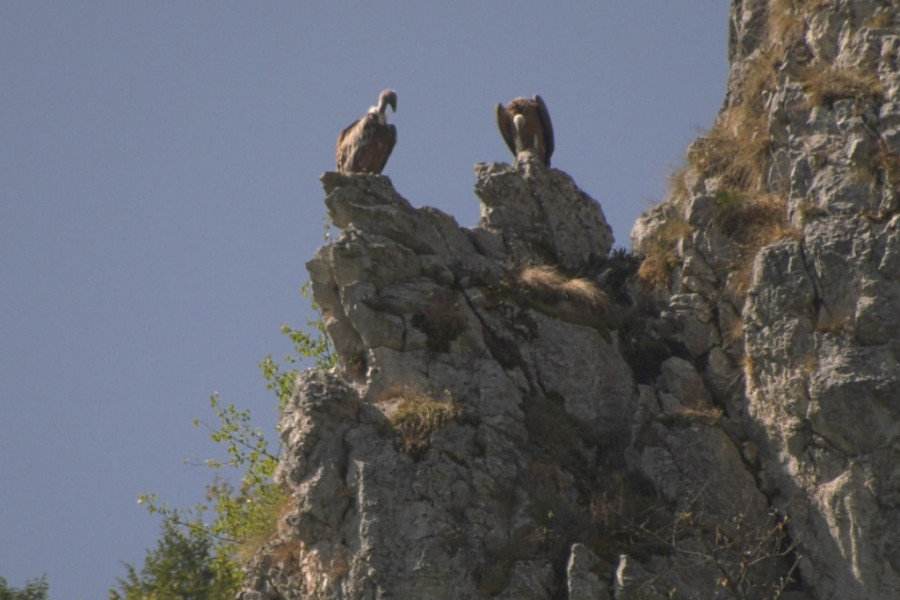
(791, 202)
(518, 412)
(426, 316)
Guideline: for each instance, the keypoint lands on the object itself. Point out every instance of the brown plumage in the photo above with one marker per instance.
(525, 126)
(366, 145)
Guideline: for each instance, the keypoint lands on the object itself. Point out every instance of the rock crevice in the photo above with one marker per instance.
(520, 412)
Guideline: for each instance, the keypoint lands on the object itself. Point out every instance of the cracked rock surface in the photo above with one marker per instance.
(553, 456)
(518, 412)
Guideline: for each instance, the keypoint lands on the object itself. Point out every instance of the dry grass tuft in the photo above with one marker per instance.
(887, 163)
(661, 255)
(656, 271)
(678, 186)
(734, 334)
(708, 415)
(810, 210)
(825, 84)
(415, 416)
(551, 286)
(882, 20)
(265, 519)
(787, 19)
(759, 79)
(786, 22)
(736, 150)
(753, 223)
(287, 551)
(749, 366)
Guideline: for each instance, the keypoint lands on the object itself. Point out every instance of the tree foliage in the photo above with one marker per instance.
(183, 566)
(197, 556)
(36, 589)
(313, 346)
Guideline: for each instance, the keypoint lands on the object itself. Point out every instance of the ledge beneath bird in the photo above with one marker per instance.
(542, 212)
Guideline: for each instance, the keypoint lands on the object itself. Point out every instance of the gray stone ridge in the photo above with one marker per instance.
(485, 433)
(502, 330)
(518, 411)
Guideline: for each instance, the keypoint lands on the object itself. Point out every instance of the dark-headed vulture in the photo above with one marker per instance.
(526, 127)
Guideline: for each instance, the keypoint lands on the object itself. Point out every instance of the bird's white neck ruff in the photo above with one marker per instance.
(519, 123)
(381, 113)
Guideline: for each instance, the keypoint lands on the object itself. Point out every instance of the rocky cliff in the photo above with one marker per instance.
(520, 413)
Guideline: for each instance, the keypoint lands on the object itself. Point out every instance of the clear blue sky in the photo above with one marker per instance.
(160, 197)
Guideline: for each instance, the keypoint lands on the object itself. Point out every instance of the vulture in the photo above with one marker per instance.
(366, 145)
(525, 126)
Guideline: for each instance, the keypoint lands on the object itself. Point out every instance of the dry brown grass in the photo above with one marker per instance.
(753, 223)
(786, 22)
(810, 210)
(266, 521)
(734, 333)
(415, 416)
(825, 84)
(810, 365)
(661, 253)
(287, 551)
(656, 271)
(549, 285)
(736, 150)
(707, 415)
(887, 163)
(760, 77)
(787, 18)
(678, 187)
(735, 154)
(750, 373)
(882, 20)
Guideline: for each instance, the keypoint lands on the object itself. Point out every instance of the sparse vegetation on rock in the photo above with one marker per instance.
(716, 422)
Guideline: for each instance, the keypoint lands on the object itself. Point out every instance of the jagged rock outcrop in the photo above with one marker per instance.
(788, 212)
(517, 413)
(471, 408)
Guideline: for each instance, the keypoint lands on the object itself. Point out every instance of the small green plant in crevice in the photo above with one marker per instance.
(311, 345)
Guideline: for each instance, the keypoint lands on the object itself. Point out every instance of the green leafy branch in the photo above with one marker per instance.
(233, 520)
